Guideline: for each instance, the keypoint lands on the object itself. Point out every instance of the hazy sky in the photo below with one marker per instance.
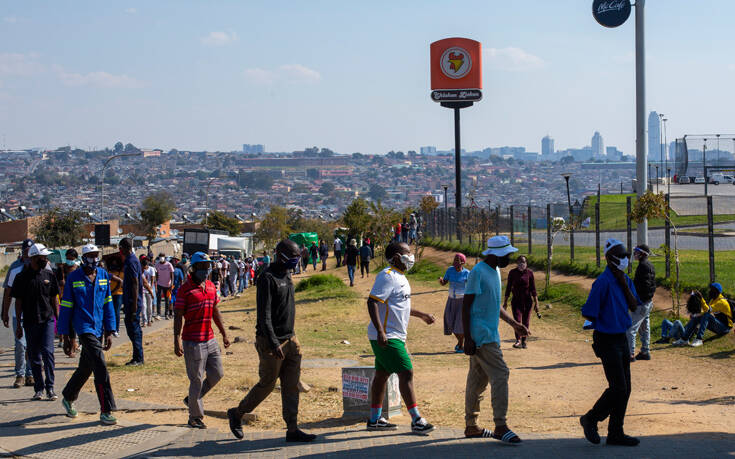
(349, 75)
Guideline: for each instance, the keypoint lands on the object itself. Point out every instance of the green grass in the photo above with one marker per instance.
(323, 286)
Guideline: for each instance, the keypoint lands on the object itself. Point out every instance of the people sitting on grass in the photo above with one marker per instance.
(456, 276)
(715, 316)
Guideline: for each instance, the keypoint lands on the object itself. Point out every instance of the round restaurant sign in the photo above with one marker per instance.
(611, 13)
(455, 62)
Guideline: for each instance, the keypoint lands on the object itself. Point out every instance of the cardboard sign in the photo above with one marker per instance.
(456, 63)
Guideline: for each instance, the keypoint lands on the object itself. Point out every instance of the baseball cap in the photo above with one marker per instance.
(38, 250)
(89, 248)
(200, 257)
(27, 244)
(716, 285)
(499, 246)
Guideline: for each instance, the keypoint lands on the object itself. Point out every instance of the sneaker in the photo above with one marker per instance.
(458, 349)
(19, 380)
(299, 436)
(680, 342)
(421, 427)
(621, 440)
(196, 424)
(381, 424)
(38, 395)
(696, 343)
(69, 408)
(51, 395)
(108, 419)
(663, 341)
(643, 356)
(30, 381)
(235, 423)
(116, 334)
(523, 345)
(590, 430)
(133, 363)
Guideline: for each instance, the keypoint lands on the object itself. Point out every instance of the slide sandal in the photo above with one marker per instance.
(484, 434)
(507, 437)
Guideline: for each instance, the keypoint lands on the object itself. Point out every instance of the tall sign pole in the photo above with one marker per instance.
(614, 13)
(456, 83)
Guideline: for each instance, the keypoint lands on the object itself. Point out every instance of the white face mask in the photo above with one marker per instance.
(161, 259)
(622, 263)
(408, 261)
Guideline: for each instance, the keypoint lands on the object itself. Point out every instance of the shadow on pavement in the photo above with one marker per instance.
(724, 400)
(560, 365)
(78, 440)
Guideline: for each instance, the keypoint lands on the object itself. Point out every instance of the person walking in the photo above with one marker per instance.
(338, 250)
(314, 254)
(645, 285)
(164, 282)
(456, 276)
(132, 299)
(351, 256)
(233, 269)
(413, 226)
(180, 271)
(148, 312)
(323, 253)
(278, 348)
(116, 288)
(304, 257)
(194, 311)
(481, 314)
(612, 295)
(389, 308)
(36, 294)
(23, 372)
(523, 287)
(87, 308)
(366, 254)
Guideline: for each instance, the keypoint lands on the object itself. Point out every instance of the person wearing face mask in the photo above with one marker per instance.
(612, 295)
(88, 309)
(645, 286)
(351, 256)
(194, 311)
(23, 374)
(132, 299)
(278, 348)
(523, 287)
(37, 304)
(389, 307)
(164, 282)
(481, 315)
(456, 276)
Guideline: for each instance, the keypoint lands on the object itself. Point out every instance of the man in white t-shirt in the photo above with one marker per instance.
(389, 306)
(338, 251)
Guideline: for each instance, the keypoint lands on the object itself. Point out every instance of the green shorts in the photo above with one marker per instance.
(393, 358)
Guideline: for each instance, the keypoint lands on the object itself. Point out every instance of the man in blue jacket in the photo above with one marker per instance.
(86, 305)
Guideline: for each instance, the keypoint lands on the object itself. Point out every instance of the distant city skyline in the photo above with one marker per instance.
(352, 77)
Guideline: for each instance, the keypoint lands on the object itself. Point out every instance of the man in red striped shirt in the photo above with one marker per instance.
(195, 308)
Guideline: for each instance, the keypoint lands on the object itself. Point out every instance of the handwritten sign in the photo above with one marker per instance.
(356, 387)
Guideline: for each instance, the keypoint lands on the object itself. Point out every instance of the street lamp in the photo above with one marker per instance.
(206, 213)
(566, 176)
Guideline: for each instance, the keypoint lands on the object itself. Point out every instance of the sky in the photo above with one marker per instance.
(351, 76)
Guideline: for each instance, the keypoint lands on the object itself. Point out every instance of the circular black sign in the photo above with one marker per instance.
(611, 13)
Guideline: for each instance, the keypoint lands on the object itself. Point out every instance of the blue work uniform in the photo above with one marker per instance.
(87, 306)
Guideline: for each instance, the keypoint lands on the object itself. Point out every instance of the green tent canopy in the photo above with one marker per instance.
(305, 239)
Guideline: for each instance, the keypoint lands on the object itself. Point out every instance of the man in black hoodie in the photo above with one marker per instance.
(645, 286)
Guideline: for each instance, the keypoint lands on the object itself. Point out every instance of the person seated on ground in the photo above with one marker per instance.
(715, 316)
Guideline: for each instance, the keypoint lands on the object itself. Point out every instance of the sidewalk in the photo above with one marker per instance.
(40, 430)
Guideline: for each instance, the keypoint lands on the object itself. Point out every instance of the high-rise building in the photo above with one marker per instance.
(248, 148)
(598, 145)
(428, 150)
(655, 151)
(547, 146)
(613, 154)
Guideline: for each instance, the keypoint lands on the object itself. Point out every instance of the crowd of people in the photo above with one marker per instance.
(82, 303)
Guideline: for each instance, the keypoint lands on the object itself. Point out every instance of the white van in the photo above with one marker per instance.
(716, 179)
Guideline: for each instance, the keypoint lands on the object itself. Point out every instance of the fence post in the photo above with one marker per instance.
(711, 238)
(628, 208)
(530, 227)
(548, 240)
(597, 232)
(667, 237)
(470, 218)
(512, 232)
(497, 220)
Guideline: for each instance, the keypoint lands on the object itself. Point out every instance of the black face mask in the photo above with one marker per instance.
(503, 262)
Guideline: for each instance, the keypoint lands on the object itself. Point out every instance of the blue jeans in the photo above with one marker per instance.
(40, 339)
(22, 366)
(241, 284)
(698, 324)
(351, 273)
(135, 333)
(673, 330)
(714, 325)
(117, 304)
(641, 320)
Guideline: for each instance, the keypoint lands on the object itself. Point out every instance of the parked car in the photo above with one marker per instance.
(699, 180)
(684, 180)
(716, 179)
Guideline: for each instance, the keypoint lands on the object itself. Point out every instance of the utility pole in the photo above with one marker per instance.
(640, 111)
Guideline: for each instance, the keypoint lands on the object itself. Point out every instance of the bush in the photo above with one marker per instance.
(320, 282)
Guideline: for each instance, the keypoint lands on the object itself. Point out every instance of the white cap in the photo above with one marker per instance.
(89, 248)
(38, 250)
(499, 246)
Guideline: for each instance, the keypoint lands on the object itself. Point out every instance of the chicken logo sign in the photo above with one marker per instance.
(456, 62)
(456, 70)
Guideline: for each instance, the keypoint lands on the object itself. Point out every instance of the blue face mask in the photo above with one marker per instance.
(291, 263)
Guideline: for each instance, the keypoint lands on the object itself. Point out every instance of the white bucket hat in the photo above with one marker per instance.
(89, 248)
(499, 246)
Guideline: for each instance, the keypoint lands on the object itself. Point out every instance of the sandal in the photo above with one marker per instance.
(507, 437)
(484, 433)
(517, 345)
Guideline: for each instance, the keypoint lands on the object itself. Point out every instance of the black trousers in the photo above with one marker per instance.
(338, 256)
(614, 352)
(364, 267)
(161, 295)
(91, 361)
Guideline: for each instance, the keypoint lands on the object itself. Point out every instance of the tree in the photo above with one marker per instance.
(428, 204)
(221, 221)
(381, 225)
(377, 192)
(60, 228)
(327, 188)
(567, 160)
(273, 227)
(118, 148)
(155, 210)
(356, 217)
(258, 181)
(130, 148)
